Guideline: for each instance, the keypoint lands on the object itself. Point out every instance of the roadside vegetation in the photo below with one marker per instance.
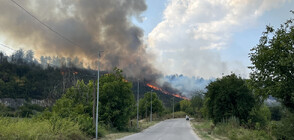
(73, 115)
(231, 107)
(28, 128)
(261, 107)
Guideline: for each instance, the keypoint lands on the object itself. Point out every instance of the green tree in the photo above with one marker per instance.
(185, 106)
(197, 103)
(116, 99)
(76, 104)
(259, 116)
(273, 59)
(227, 97)
(145, 105)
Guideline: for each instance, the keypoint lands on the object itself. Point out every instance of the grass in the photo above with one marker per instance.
(179, 114)
(143, 124)
(203, 129)
(228, 130)
(27, 128)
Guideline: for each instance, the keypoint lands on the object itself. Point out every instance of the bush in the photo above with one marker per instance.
(276, 112)
(228, 96)
(247, 134)
(259, 117)
(179, 114)
(27, 110)
(225, 126)
(284, 129)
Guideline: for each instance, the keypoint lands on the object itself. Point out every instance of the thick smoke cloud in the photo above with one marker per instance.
(92, 25)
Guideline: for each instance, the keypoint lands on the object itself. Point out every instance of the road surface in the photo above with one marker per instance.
(172, 129)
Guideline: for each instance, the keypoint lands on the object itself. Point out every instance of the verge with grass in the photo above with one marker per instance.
(132, 129)
(27, 128)
(228, 130)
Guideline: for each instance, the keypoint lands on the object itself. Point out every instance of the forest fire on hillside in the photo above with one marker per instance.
(166, 92)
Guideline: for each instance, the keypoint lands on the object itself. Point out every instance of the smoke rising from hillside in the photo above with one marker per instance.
(92, 25)
(188, 86)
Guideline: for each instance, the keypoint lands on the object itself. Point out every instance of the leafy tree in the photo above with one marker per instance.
(177, 107)
(259, 117)
(145, 104)
(197, 103)
(116, 99)
(76, 104)
(273, 69)
(185, 106)
(18, 56)
(228, 97)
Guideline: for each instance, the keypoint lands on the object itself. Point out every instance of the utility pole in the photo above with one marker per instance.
(151, 107)
(97, 95)
(173, 107)
(138, 105)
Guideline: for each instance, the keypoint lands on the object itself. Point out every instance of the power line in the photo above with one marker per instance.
(7, 47)
(51, 29)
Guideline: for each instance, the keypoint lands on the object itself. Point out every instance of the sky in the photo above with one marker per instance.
(196, 38)
(208, 38)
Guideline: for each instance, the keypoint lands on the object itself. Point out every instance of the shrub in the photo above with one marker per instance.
(259, 117)
(284, 129)
(228, 96)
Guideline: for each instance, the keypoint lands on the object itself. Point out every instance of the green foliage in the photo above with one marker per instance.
(247, 134)
(145, 105)
(76, 105)
(185, 106)
(230, 129)
(4, 111)
(116, 103)
(22, 128)
(197, 103)
(272, 59)
(27, 110)
(228, 97)
(23, 77)
(276, 112)
(259, 117)
(177, 107)
(22, 80)
(116, 99)
(178, 114)
(284, 129)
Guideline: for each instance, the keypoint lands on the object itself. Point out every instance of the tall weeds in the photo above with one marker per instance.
(25, 128)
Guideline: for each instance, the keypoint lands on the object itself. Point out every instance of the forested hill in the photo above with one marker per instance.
(21, 76)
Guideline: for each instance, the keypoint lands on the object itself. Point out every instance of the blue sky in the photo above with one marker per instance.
(153, 15)
(182, 51)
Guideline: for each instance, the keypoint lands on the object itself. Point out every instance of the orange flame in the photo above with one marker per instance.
(153, 87)
(165, 92)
